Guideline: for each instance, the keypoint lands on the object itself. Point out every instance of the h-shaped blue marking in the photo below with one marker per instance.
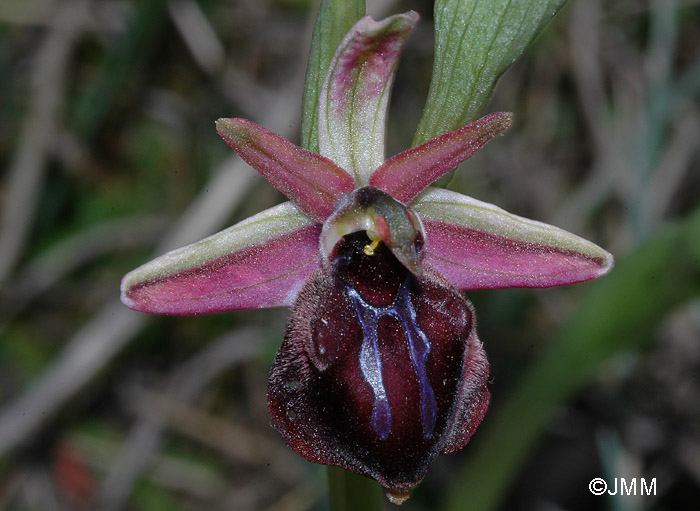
(371, 361)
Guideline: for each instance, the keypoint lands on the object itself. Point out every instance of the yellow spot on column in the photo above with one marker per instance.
(369, 249)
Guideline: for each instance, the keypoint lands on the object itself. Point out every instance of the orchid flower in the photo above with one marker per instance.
(381, 368)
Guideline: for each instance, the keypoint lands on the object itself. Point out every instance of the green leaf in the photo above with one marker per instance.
(335, 18)
(475, 42)
(620, 314)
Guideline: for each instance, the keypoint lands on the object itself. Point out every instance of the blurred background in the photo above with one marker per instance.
(109, 156)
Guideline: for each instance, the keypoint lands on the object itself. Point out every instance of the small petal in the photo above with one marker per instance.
(259, 262)
(477, 245)
(405, 175)
(355, 95)
(312, 182)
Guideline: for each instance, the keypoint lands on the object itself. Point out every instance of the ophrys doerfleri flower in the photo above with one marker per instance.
(380, 369)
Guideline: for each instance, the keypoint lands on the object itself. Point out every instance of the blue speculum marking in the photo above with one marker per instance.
(371, 362)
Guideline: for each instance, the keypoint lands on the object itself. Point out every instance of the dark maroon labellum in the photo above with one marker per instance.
(380, 371)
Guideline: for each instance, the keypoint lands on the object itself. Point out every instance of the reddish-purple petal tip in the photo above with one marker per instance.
(312, 182)
(405, 175)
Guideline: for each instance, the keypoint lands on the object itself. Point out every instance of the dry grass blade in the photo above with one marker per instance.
(38, 133)
(103, 336)
(185, 384)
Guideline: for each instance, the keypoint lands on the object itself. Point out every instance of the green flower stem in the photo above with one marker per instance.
(350, 492)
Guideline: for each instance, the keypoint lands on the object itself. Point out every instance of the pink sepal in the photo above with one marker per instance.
(477, 245)
(355, 94)
(261, 262)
